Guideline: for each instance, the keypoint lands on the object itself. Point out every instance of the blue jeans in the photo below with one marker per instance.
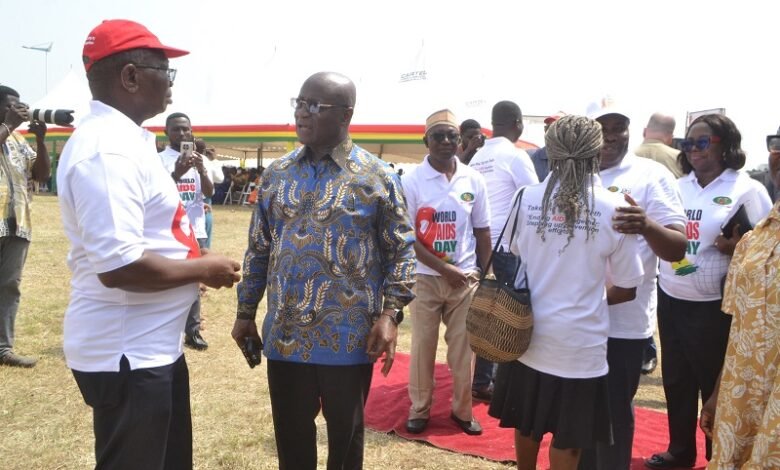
(209, 223)
(504, 267)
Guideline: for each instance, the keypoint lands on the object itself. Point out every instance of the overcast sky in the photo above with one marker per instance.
(249, 58)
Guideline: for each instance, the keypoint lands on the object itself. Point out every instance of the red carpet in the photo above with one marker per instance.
(388, 407)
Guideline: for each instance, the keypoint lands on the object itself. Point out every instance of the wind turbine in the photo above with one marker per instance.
(45, 48)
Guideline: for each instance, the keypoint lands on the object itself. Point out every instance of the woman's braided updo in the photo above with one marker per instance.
(573, 144)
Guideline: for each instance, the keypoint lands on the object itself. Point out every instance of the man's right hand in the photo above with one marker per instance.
(244, 329)
(454, 276)
(476, 141)
(182, 166)
(221, 271)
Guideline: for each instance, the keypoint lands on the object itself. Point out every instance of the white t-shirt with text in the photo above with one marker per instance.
(568, 283)
(190, 191)
(445, 213)
(698, 276)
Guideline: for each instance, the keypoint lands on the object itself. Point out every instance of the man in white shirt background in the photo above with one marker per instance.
(134, 259)
(506, 168)
(192, 179)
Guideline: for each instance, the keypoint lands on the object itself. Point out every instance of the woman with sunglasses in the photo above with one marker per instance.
(693, 329)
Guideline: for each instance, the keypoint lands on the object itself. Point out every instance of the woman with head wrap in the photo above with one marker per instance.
(565, 240)
(693, 329)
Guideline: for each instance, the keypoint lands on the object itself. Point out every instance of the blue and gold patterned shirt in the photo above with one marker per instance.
(332, 243)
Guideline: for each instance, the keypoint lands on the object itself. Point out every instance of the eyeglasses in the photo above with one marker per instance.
(773, 143)
(702, 143)
(439, 137)
(171, 72)
(314, 107)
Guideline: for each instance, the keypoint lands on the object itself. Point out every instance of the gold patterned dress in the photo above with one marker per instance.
(747, 420)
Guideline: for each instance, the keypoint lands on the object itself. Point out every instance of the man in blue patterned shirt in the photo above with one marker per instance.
(331, 242)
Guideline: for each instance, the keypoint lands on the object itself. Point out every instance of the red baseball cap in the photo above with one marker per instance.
(554, 117)
(112, 36)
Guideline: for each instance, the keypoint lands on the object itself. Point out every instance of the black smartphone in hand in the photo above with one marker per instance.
(252, 350)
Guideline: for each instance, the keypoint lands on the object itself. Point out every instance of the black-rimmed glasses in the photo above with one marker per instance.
(314, 107)
(171, 72)
(773, 143)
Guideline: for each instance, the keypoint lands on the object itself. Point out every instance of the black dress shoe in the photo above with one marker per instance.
(416, 426)
(195, 341)
(649, 366)
(472, 428)
(660, 462)
(484, 394)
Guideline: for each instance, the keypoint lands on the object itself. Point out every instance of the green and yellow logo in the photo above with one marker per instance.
(684, 267)
(722, 200)
(614, 189)
(468, 197)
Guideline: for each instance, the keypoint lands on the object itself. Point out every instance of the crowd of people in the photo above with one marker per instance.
(340, 244)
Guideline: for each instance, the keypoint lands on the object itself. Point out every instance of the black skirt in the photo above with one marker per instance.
(576, 411)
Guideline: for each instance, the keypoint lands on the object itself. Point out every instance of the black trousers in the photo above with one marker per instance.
(141, 417)
(625, 357)
(694, 336)
(298, 392)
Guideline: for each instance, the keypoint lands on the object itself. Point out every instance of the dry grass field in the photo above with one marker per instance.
(46, 424)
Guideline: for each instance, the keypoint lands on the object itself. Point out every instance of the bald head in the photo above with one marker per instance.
(326, 127)
(339, 88)
(660, 127)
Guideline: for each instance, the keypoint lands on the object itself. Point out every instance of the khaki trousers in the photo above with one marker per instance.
(437, 302)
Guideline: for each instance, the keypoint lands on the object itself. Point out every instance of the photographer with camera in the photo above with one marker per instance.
(18, 161)
(188, 170)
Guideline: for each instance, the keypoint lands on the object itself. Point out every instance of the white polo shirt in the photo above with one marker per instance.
(190, 191)
(698, 276)
(568, 283)
(506, 169)
(447, 212)
(118, 202)
(654, 189)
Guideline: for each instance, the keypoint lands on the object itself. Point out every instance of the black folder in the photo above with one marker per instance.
(739, 218)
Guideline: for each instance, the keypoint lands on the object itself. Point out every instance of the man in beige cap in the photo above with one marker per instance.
(135, 262)
(658, 135)
(448, 202)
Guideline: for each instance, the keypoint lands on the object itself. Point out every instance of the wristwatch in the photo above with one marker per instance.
(397, 316)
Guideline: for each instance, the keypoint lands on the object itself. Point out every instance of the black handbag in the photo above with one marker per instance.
(500, 319)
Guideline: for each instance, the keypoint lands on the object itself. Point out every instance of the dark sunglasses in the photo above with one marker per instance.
(439, 137)
(773, 143)
(702, 143)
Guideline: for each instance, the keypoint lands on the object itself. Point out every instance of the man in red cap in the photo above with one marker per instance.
(134, 259)
(539, 157)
